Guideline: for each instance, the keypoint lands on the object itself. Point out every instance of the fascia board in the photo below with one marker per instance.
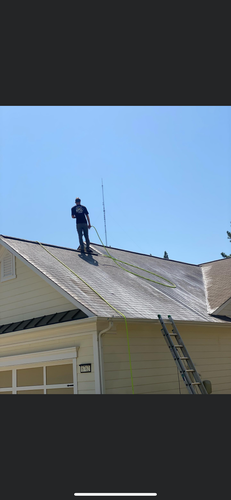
(40, 357)
(212, 324)
(48, 280)
(69, 327)
(44, 335)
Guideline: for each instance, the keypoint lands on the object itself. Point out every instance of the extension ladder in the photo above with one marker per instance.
(182, 359)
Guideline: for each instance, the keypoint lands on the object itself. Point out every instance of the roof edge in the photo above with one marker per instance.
(219, 309)
(212, 324)
(211, 261)
(50, 282)
(37, 243)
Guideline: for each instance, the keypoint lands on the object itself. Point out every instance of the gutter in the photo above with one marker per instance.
(100, 354)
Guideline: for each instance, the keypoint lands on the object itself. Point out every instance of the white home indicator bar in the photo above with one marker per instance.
(115, 494)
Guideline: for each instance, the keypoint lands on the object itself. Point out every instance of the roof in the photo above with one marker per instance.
(50, 319)
(217, 279)
(132, 296)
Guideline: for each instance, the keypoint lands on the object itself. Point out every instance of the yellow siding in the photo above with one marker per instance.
(86, 381)
(154, 370)
(29, 296)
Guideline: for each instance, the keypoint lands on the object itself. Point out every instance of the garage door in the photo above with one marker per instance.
(46, 375)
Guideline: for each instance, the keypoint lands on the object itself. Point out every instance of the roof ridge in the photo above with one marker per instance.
(211, 261)
(37, 243)
(146, 255)
(113, 248)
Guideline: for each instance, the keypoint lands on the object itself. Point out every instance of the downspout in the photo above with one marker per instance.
(100, 353)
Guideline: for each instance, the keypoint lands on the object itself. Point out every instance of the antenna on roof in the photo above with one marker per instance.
(105, 229)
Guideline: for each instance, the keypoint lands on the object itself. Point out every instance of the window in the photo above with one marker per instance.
(7, 266)
(48, 372)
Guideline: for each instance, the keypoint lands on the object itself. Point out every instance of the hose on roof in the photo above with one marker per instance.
(137, 267)
(108, 303)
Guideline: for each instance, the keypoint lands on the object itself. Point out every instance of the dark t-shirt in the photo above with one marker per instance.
(79, 212)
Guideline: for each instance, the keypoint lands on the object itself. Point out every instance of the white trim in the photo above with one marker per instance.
(14, 381)
(58, 357)
(35, 364)
(155, 321)
(75, 376)
(58, 288)
(39, 387)
(96, 363)
(65, 324)
(44, 340)
(45, 379)
(39, 357)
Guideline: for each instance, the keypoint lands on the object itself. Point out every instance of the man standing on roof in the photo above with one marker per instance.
(79, 212)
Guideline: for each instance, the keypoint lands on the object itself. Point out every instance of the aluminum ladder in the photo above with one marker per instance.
(182, 359)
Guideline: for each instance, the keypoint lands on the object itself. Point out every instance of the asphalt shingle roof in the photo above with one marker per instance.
(217, 278)
(133, 296)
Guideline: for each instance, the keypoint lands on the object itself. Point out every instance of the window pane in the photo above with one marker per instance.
(59, 374)
(32, 391)
(7, 392)
(30, 376)
(64, 390)
(6, 379)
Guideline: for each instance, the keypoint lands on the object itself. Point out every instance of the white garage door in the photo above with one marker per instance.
(49, 372)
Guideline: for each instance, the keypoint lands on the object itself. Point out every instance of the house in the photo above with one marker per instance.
(63, 320)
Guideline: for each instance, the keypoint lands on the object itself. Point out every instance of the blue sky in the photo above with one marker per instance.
(166, 173)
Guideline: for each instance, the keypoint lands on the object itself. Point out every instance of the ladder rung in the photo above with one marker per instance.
(183, 368)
